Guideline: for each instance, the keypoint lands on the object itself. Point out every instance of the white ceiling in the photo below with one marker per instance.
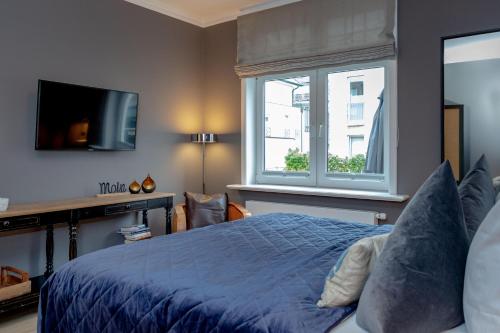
(205, 13)
(472, 48)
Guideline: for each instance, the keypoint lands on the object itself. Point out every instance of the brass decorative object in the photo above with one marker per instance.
(135, 187)
(148, 185)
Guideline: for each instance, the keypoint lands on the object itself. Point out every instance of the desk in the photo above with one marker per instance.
(27, 216)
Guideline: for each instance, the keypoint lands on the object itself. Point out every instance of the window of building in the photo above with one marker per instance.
(356, 145)
(355, 112)
(357, 88)
(326, 150)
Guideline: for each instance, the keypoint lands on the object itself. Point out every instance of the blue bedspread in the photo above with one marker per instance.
(263, 274)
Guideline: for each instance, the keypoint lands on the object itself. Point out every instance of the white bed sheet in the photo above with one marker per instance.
(349, 326)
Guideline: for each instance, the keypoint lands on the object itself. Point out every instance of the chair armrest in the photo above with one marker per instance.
(179, 219)
(237, 212)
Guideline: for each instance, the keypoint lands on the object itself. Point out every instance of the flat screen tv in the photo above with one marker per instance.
(72, 117)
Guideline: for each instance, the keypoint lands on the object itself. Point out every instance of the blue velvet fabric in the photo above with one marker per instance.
(264, 274)
(417, 283)
(477, 194)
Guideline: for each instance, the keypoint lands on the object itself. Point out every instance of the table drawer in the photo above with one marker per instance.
(124, 208)
(158, 203)
(19, 223)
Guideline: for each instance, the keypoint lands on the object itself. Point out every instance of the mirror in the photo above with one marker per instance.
(471, 96)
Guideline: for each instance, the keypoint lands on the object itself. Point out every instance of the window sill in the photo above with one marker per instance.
(322, 192)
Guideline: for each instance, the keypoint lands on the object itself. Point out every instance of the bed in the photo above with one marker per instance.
(262, 274)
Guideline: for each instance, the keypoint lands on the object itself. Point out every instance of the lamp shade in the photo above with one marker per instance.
(204, 138)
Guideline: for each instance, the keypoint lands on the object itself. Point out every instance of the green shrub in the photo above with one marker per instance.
(355, 164)
(297, 161)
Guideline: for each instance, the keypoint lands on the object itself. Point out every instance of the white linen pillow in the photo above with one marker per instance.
(481, 288)
(346, 279)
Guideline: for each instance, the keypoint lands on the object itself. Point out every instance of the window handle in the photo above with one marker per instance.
(320, 131)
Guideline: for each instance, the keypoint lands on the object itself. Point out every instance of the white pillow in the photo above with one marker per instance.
(346, 279)
(482, 277)
(496, 185)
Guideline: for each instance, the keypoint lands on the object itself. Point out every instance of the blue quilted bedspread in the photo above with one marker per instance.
(263, 274)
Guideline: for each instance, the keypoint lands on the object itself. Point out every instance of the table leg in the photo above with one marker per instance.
(145, 217)
(49, 250)
(168, 219)
(73, 235)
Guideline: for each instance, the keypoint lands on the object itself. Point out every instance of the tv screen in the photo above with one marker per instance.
(72, 117)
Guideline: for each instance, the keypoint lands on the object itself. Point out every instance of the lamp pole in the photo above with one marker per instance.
(203, 166)
(203, 138)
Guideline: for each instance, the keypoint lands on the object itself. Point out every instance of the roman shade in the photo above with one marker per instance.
(315, 33)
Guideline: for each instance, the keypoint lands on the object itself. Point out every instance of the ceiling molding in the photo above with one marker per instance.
(266, 5)
(166, 9)
(172, 11)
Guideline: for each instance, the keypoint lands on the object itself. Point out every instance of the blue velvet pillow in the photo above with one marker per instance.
(417, 283)
(477, 194)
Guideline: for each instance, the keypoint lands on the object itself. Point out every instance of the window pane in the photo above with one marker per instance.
(357, 88)
(356, 145)
(355, 133)
(287, 124)
(356, 111)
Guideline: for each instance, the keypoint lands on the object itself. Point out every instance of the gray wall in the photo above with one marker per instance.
(222, 108)
(111, 44)
(421, 26)
(476, 85)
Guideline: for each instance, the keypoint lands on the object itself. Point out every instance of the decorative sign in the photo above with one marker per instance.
(108, 188)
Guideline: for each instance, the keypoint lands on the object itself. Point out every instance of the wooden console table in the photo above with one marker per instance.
(27, 216)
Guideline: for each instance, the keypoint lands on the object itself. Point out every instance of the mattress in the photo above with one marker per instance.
(262, 274)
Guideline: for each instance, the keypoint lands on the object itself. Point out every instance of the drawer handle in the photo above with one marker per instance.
(128, 206)
(6, 223)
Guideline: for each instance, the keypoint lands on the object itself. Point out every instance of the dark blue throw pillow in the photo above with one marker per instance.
(477, 194)
(417, 282)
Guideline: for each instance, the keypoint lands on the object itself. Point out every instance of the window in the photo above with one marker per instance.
(355, 112)
(357, 88)
(284, 100)
(314, 143)
(356, 145)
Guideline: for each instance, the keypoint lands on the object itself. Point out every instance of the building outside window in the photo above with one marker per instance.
(317, 144)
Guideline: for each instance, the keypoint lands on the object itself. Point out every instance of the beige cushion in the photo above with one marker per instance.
(346, 280)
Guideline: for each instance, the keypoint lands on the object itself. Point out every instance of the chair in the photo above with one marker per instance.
(179, 223)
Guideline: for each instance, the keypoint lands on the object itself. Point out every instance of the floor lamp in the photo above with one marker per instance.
(203, 138)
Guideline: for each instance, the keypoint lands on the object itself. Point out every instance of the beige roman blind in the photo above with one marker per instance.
(315, 33)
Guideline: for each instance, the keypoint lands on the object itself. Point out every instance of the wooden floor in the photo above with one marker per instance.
(25, 323)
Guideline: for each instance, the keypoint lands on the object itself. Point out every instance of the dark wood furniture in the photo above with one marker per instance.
(71, 212)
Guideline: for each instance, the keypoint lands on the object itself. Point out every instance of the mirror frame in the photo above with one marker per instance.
(442, 106)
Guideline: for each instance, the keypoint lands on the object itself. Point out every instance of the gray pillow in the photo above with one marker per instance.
(203, 210)
(477, 194)
(417, 283)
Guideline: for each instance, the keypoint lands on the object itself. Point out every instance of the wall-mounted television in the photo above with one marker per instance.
(73, 117)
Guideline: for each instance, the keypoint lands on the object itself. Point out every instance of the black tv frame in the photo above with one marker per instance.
(40, 81)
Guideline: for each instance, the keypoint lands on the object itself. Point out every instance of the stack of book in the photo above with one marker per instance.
(135, 233)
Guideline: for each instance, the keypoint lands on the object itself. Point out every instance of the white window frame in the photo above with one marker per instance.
(253, 138)
(278, 177)
(387, 183)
